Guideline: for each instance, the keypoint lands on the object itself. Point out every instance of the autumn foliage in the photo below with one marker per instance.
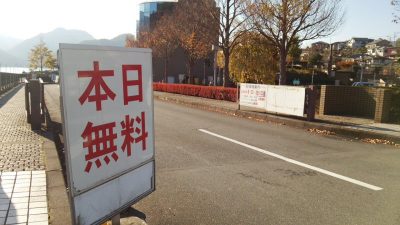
(344, 65)
(219, 93)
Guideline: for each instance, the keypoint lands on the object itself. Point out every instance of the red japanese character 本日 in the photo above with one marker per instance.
(99, 141)
(97, 83)
(130, 127)
(132, 83)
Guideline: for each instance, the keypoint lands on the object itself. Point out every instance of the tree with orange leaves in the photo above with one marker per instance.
(163, 40)
(195, 31)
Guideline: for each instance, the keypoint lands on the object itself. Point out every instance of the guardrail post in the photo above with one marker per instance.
(35, 99)
(42, 99)
(311, 101)
(27, 103)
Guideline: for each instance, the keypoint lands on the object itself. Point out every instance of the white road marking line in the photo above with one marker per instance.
(338, 176)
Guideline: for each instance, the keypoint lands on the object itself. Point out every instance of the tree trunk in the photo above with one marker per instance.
(226, 69)
(190, 67)
(41, 65)
(204, 72)
(282, 67)
(166, 67)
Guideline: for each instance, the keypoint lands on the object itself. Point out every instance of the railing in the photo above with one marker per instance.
(9, 80)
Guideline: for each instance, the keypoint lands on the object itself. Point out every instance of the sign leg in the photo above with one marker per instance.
(116, 220)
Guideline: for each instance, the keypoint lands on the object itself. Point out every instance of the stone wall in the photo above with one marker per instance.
(366, 102)
(348, 101)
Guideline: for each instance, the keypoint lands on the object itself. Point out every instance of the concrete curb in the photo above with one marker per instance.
(298, 123)
(58, 202)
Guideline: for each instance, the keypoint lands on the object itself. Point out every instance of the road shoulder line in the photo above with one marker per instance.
(326, 172)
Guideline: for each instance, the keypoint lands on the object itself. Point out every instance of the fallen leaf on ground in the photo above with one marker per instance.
(378, 141)
(321, 132)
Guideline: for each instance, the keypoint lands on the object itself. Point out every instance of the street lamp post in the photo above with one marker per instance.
(215, 51)
(312, 77)
(362, 71)
(362, 68)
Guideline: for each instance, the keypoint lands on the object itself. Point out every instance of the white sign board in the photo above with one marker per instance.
(107, 102)
(253, 95)
(286, 99)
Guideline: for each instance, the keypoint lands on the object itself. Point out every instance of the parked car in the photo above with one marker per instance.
(363, 84)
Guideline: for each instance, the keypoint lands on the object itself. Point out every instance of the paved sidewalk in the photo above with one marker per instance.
(22, 165)
(345, 125)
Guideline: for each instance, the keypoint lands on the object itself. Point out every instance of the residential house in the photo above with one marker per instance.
(378, 61)
(378, 48)
(393, 52)
(320, 46)
(358, 42)
(337, 46)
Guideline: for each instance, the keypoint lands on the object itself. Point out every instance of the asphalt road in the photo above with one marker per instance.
(203, 179)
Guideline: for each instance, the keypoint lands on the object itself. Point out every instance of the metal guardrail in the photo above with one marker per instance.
(9, 80)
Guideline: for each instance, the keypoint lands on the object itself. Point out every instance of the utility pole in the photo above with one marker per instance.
(330, 63)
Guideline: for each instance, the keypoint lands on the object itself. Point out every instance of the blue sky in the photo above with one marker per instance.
(107, 19)
(366, 18)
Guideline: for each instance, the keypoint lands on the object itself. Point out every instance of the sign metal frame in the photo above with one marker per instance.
(74, 193)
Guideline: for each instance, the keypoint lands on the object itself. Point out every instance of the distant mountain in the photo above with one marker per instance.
(52, 40)
(118, 41)
(11, 61)
(16, 52)
(7, 43)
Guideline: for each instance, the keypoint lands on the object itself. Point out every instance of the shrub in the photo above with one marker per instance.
(220, 93)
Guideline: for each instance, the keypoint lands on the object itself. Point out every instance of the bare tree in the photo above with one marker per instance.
(396, 4)
(282, 21)
(230, 17)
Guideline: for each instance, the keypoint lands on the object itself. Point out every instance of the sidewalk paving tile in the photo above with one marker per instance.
(19, 206)
(37, 205)
(38, 218)
(16, 200)
(39, 223)
(14, 212)
(3, 214)
(38, 193)
(20, 147)
(4, 201)
(40, 188)
(20, 194)
(22, 166)
(37, 211)
(4, 207)
(21, 189)
(16, 219)
(38, 199)
(25, 204)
